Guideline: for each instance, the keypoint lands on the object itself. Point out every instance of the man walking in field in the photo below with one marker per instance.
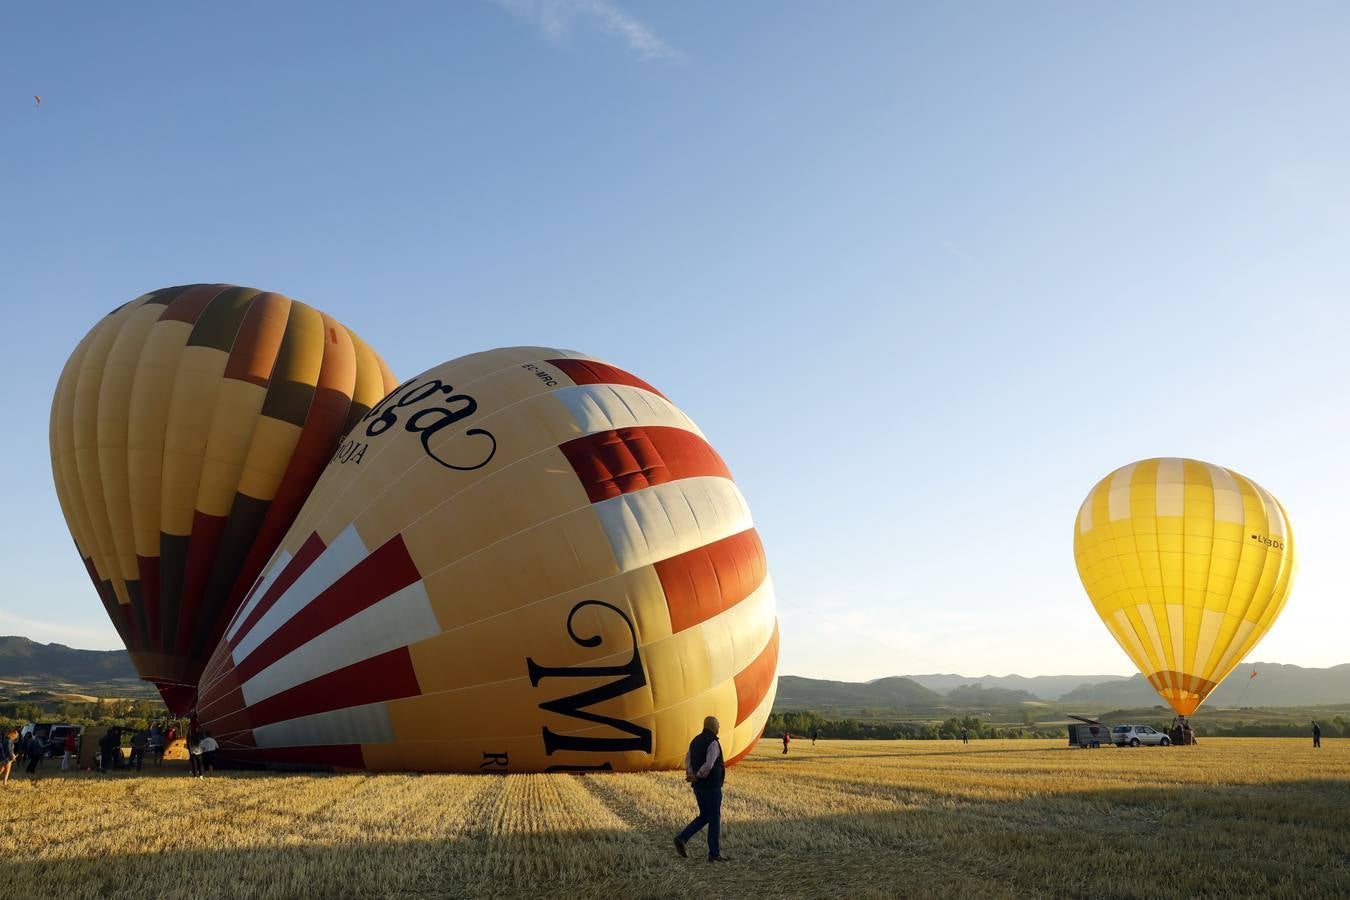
(1317, 735)
(705, 770)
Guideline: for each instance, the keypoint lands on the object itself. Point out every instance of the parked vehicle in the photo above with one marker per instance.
(56, 739)
(1089, 732)
(1137, 735)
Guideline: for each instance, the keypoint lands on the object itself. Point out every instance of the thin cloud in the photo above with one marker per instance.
(554, 18)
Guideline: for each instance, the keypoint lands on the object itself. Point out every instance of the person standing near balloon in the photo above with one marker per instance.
(194, 743)
(209, 748)
(705, 770)
(7, 754)
(36, 749)
(67, 750)
(1317, 734)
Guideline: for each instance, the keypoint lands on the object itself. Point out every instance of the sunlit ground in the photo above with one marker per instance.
(1231, 817)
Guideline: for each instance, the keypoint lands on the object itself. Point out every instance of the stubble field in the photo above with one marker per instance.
(1234, 817)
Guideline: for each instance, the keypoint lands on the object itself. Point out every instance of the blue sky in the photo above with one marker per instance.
(922, 272)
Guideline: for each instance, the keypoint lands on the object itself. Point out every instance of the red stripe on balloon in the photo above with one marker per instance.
(612, 463)
(388, 676)
(203, 542)
(754, 681)
(746, 752)
(380, 574)
(588, 371)
(309, 551)
(708, 580)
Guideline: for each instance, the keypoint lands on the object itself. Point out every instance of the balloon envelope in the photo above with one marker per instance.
(1188, 564)
(187, 429)
(520, 560)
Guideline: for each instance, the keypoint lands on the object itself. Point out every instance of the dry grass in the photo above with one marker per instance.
(1235, 817)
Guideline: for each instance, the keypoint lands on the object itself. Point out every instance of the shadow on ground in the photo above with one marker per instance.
(1275, 839)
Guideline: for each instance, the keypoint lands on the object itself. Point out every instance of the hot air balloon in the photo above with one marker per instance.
(1188, 564)
(187, 429)
(522, 560)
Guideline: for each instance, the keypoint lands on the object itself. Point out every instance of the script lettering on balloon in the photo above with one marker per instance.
(629, 676)
(437, 407)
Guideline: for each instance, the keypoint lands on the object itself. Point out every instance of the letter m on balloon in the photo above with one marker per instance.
(627, 677)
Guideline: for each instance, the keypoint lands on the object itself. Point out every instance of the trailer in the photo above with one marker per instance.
(1087, 732)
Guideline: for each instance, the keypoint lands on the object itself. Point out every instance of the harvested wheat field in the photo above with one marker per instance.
(995, 818)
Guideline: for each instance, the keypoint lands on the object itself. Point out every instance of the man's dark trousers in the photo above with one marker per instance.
(710, 814)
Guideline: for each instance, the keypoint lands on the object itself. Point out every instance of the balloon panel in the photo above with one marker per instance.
(521, 560)
(187, 428)
(1188, 564)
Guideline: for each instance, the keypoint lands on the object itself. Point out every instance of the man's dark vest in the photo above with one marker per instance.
(698, 753)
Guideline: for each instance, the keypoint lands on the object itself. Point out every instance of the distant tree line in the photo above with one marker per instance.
(803, 723)
(1336, 726)
(126, 713)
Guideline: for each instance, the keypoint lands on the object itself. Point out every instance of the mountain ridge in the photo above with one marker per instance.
(1275, 685)
(39, 665)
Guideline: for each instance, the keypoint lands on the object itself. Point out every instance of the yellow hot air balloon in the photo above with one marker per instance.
(1188, 564)
(187, 429)
(523, 560)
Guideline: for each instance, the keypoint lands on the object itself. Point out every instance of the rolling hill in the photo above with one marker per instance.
(28, 666)
(1042, 687)
(1275, 685)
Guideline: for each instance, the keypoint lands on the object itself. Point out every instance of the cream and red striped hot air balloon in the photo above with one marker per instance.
(186, 432)
(520, 560)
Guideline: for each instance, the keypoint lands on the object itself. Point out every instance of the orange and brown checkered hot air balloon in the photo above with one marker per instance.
(186, 432)
(522, 560)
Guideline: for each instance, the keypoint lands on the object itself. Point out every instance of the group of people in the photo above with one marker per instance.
(28, 748)
(788, 736)
(1181, 733)
(202, 753)
(201, 748)
(32, 749)
(150, 740)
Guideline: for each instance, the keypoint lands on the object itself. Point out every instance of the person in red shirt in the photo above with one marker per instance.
(68, 750)
(786, 739)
